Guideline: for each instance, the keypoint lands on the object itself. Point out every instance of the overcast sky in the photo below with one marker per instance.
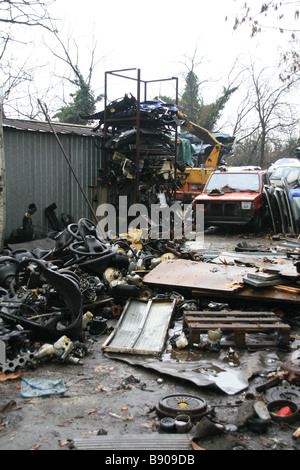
(157, 37)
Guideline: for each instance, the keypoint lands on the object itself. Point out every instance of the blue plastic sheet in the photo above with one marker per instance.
(41, 387)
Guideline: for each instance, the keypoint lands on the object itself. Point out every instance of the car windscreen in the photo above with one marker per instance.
(284, 172)
(234, 181)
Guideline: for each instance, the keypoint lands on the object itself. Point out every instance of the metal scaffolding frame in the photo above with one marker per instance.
(139, 82)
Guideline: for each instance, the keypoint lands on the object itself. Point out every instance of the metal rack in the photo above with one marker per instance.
(139, 83)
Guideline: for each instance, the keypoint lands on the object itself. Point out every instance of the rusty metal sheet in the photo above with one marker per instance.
(198, 275)
(268, 294)
(142, 327)
(276, 262)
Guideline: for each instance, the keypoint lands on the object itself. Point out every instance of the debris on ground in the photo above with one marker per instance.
(56, 303)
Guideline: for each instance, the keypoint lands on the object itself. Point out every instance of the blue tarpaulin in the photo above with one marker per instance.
(41, 387)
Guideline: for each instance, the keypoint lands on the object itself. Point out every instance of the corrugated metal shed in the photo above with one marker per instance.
(37, 172)
(43, 126)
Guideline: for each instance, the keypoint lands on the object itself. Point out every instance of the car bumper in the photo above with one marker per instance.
(227, 221)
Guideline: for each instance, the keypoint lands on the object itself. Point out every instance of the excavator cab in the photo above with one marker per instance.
(212, 149)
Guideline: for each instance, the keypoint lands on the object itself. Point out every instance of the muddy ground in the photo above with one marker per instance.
(110, 398)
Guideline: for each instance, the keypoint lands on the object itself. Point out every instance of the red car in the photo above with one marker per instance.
(235, 196)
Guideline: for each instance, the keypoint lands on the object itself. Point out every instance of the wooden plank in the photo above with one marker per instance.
(192, 318)
(236, 322)
(241, 326)
(231, 320)
(232, 313)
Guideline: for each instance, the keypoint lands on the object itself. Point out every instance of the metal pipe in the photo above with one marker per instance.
(176, 137)
(138, 128)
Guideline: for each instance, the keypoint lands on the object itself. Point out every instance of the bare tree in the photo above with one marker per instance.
(24, 13)
(242, 125)
(275, 16)
(266, 114)
(283, 17)
(83, 99)
(272, 107)
(15, 17)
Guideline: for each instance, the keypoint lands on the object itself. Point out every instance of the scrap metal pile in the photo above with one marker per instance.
(52, 300)
(156, 148)
(50, 296)
(283, 204)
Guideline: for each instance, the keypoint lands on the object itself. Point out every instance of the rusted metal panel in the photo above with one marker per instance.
(269, 294)
(142, 327)
(198, 275)
(43, 126)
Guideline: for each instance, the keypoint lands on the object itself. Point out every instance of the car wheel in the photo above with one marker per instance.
(257, 223)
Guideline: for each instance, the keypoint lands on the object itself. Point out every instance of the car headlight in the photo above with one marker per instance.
(246, 205)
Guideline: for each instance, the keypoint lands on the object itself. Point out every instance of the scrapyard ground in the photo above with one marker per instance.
(109, 397)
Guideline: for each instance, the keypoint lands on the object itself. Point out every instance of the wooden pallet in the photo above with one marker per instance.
(236, 322)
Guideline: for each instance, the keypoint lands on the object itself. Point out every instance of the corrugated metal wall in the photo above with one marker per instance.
(37, 172)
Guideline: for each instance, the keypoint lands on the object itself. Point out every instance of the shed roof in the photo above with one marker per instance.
(43, 126)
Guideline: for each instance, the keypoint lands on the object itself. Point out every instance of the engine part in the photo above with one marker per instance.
(98, 326)
(8, 266)
(282, 392)
(113, 277)
(111, 311)
(167, 424)
(183, 423)
(26, 232)
(86, 320)
(119, 261)
(21, 361)
(61, 348)
(174, 405)
(124, 291)
(50, 214)
(67, 311)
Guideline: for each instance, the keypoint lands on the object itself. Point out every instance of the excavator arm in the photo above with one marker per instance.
(213, 159)
(194, 179)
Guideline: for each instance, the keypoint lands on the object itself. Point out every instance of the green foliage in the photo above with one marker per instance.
(190, 102)
(209, 114)
(193, 107)
(84, 103)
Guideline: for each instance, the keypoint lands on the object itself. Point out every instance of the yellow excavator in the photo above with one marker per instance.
(193, 179)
